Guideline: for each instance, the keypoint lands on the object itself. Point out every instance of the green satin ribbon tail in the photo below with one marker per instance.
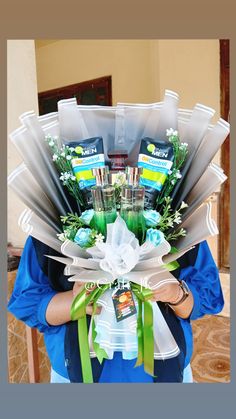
(78, 312)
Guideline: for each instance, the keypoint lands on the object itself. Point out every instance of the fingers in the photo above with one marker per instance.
(79, 286)
(89, 309)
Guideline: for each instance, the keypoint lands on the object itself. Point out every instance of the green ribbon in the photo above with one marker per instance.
(144, 326)
(78, 312)
(171, 266)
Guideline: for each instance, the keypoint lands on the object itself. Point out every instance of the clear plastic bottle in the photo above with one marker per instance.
(132, 203)
(104, 203)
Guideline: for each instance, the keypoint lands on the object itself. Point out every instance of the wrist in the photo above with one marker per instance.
(177, 295)
(184, 293)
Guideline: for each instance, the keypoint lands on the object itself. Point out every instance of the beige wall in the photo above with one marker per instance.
(21, 97)
(191, 68)
(73, 61)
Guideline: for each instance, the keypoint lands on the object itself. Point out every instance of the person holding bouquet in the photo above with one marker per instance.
(42, 298)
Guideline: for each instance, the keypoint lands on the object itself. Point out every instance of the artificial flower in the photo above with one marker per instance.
(83, 236)
(152, 218)
(156, 237)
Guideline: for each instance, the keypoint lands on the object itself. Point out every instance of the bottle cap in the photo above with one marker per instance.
(101, 175)
(133, 175)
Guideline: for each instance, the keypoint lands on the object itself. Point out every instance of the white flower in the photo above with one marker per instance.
(173, 182)
(183, 205)
(63, 154)
(99, 238)
(68, 157)
(177, 220)
(171, 132)
(72, 149)
(184, 144)
(67, 175)
(55, 157)
(178, 174)
(62, 176)
(120, 179)
(73, 178)
(51, 143)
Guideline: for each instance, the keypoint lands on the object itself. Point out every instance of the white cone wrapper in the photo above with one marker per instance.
(24, 185)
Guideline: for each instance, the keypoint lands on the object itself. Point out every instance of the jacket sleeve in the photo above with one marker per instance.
(204, 283)
(32, 292)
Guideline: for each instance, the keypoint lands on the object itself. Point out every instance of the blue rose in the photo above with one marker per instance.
(156, 237)
(87, 216)
(152, 218)
(82, 237)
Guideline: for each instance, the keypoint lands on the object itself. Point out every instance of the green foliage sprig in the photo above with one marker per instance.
(169, 219)
(180, 153)
(61, 157)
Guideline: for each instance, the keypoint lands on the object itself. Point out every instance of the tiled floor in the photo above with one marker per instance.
(210, 362)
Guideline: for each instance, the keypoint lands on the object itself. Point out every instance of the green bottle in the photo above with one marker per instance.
(132, 203)
(104, 202)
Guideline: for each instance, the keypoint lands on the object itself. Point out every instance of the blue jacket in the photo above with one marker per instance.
(33, 290)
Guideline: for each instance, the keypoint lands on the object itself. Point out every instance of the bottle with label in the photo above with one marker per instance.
(104, 203)
(132, 203)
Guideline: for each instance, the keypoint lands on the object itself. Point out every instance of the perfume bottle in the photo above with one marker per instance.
(104, 202)
(132, 202)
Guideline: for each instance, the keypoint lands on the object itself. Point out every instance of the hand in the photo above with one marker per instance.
(167, 293)
(77, 288)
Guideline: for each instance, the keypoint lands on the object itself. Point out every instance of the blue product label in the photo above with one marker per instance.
(156, 159)
(88, 154)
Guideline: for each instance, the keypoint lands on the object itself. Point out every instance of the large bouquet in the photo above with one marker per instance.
(120, 193)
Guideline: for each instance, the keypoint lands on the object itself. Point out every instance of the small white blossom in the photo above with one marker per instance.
(51, 143)
(99, 238)
(173, 182)
(68, 157)
(120, 179)
(72, 149)
(55, 157)
(73, 178)
(63, 154)
(67, 175)
(183, 205)
(177, 220)
(184, 144)
(178, 174)
(171, 132)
